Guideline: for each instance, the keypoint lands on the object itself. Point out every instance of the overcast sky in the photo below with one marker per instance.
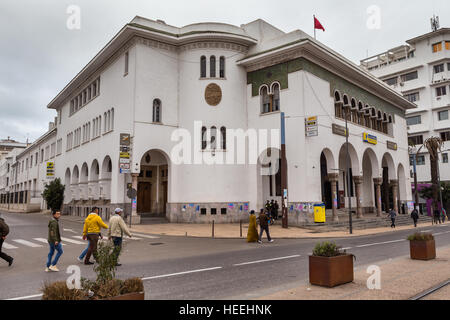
(39, 55)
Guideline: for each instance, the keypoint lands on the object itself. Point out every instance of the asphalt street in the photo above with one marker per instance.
(187, 268)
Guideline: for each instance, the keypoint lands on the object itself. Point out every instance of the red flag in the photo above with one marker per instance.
(318, 25)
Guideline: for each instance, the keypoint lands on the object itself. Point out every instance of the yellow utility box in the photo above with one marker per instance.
(319, 213)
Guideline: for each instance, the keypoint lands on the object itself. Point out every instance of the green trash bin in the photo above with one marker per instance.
(319, 213)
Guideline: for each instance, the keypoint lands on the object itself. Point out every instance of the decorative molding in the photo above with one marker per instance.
(223, 45)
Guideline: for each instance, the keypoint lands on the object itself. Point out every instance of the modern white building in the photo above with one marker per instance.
(420, 71)
(181, 94)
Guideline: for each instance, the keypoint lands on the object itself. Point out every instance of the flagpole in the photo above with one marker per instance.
(314, 21)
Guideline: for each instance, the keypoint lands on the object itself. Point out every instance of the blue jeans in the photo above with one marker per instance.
(59, 251)
(83, 254)
(117, 246)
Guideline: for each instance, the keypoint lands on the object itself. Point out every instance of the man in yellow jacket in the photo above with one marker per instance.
(91, 230)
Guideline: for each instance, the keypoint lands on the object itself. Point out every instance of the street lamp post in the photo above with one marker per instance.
(348, 175)
(416, 191)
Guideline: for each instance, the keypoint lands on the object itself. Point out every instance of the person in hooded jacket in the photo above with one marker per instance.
(415, 216)
(92, 226)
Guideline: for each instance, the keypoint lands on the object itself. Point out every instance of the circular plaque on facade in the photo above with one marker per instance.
(213, 94)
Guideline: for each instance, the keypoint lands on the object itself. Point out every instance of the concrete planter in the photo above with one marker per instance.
(422, 250)
(330, 271)
(129, 296)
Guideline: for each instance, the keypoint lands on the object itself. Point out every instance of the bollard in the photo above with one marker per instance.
(240, 226)
(213, 229)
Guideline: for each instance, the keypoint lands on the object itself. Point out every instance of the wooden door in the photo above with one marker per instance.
(144, 200)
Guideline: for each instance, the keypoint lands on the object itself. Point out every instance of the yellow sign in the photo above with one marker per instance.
(312, 119)
(50, 165)
(125, 155)
(370, 138)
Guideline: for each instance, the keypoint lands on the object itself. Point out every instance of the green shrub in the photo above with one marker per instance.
(54, 194)
(418, 236)
(328, 249)
(132, 285)
(59, 291)
(107, 261)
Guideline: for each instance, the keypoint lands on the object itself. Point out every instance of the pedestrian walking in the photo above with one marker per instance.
(92, 226)
(4, 231)
(54, 241)
(83, 254)
(267, 206)
(252, 233)
(444, 215)
(117, 228)
(415, 216)
(392, 214)
(264, 226)
(277, 207)
(272, 209)
(437, 216)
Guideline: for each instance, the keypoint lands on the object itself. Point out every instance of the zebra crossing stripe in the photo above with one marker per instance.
(27, 243)
(144, 236)
(43, 240)
(78, 237)
(71, 241)
(8, 246)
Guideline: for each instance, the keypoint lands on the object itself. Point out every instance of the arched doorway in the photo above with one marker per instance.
(153, 184)
(326, 166)
(269, 176)
(389, 182)
(347, 190)
(371, 173)
(402, 195)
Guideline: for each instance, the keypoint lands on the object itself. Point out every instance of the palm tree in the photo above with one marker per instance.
(433, 145)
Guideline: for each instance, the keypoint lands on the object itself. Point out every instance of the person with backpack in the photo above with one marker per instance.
(415, 216)
(54, 241)
(264, 226)
(91, 230)
(444, 215)
(4, 231)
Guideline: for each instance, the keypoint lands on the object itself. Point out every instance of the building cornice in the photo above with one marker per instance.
(330, 60)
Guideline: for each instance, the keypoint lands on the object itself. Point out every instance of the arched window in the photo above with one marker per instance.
(222, 67)
(203, 138)
(213, 138)
(203, 67)
(112, 119)
(276, 97)
(338, 109)
(223, 135)
(265, 100)
(156, 110)
(109, 122)
(104, 119)
(99, 126)
(212, 66)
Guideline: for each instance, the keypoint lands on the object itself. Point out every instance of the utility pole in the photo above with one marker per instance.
(349, 182)
(284, 173)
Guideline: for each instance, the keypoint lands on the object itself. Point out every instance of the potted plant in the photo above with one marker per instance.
(105, 287)
(330, 266)
(422, 246)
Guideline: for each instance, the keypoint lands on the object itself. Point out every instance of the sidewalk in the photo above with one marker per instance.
(233, 231)
(401, 279)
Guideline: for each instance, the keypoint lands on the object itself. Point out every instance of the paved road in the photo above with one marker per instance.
(187, 268)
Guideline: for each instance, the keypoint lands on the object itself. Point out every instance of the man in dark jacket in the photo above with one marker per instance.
(437, 216)
(263, 225)
(54, 241)
(392, 214)
(4, 231)
(415, 216)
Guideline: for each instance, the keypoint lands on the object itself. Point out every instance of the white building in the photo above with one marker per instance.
(420, 71)
(156, 82)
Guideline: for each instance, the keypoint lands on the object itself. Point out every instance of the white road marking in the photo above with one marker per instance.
(70, 230)
(8, 246)
(27, 243)
(43, 240)
(440, 233)
(144, 236)
(426, 231)
(27, 297)
(78, 237)
(266, 260)
(378, 243)
(71, 241)
(180, 273)
(347, 248)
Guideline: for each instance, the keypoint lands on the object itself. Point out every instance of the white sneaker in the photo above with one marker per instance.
(47, 270)
(54, 269)
(80, 260)
(259, 241)
(271, 241)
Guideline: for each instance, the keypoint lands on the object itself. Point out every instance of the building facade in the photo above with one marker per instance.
(420, 71)
(202, 105)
